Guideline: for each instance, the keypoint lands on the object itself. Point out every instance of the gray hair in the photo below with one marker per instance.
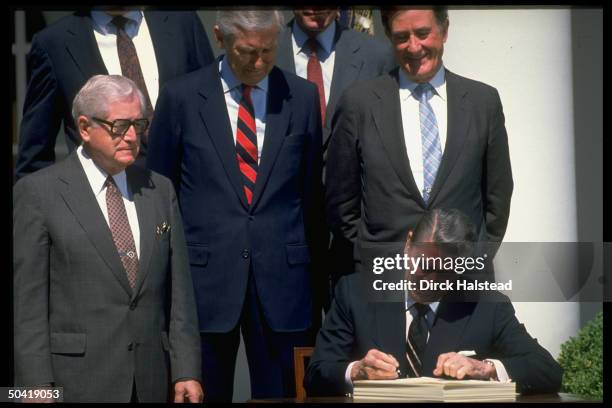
(100, 91)
(232, 20)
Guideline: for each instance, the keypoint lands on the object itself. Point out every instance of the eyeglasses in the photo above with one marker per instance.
(119, 127)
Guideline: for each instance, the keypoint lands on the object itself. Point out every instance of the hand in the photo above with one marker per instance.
(458, 366)
(190, 389)
(376, 365)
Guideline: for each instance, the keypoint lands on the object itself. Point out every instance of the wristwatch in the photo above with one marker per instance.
(489, 362)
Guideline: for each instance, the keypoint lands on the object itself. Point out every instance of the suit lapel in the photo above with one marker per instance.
(163, 44)
(458, 124)
(76, 192)
(388, 121)
(277, 120)
(347, 65)
(285, 59)
(213, 113)
(390, 333)
(82, 47)
(145, 209)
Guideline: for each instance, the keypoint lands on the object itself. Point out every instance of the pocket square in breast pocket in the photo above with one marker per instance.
(162, 229)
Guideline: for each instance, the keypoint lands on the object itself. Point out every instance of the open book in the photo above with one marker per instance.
(433, 389)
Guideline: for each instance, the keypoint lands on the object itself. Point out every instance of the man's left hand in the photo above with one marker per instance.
(188, 391)
(457, 366)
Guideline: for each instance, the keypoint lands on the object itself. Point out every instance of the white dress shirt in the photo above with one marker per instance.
(326, 54)
(96, 178)
(430, 317)
(136, 28)
(233, 94)
(411, 122)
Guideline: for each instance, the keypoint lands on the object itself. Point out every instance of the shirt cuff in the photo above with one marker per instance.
(347, 374)
(502, 374)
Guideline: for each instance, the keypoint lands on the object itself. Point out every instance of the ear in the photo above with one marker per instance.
(445, 30)
(83, 125)
(218, 36)
(408, 241)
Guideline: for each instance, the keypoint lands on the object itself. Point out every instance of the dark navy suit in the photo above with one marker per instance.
(65, 55)
(251, 264)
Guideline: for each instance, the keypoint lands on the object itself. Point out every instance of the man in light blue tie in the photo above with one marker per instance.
(416, 139)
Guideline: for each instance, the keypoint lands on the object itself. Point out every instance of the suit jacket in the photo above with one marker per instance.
(489, 327)
(277, 237)
(359, 56)
(78, 323)
(371, 195)
(65, 55)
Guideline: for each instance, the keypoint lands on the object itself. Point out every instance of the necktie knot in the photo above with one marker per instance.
(110, 182)
(423, 91)
(119, 22)
(246, 91)
(313, 46)
(421, 309)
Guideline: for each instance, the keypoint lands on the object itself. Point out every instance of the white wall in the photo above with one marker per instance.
(527, 55)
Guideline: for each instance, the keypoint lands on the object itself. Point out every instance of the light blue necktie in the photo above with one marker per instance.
(430, 140)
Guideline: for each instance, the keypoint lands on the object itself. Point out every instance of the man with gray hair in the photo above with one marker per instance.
(103, 298)
(241, 140)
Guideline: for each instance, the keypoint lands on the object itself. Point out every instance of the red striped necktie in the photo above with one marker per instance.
(246, 142)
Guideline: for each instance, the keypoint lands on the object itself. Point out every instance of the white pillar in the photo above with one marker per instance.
(526, 54)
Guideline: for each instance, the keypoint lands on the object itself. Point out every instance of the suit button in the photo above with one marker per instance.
(251, 218)
(245, 253)
(133, 305)
(130, 346)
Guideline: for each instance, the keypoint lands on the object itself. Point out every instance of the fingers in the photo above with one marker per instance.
(377, 365)
(179, 395)
(457, 366)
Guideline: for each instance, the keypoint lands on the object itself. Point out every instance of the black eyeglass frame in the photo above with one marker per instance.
(113, 125)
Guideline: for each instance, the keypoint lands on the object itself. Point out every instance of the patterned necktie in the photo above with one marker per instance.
(314, 73)
(130, 65)
(417, 338)
(430, 140)
(246, 142)
(121, 231)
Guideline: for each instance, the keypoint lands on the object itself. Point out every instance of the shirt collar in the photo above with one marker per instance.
(438, 82)
(229, 81)
(97, 177)
(433, 306)
(102, 21)
(325, 39)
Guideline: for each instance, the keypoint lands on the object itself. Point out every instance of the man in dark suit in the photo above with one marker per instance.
(66, 54)
(345, 57)
(416, 139)
(103, 298)
(426, 334)
(241, 139)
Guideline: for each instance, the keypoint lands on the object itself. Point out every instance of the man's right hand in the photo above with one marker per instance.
(376, 365)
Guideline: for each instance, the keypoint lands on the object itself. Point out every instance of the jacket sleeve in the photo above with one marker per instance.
(343, 172)
(528, 363)
(331, 357)
(31, 245)
(184, 335)
(498, 174)
(41, 114)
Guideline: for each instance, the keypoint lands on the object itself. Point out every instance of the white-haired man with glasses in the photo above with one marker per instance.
(103, 299)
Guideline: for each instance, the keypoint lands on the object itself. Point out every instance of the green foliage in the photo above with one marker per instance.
(582, 360)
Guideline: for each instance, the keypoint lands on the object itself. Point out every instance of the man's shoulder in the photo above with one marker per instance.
(362, 92)
(45, 177)
(349, 36)
(469, 84)
(55, 32)
(193, 81)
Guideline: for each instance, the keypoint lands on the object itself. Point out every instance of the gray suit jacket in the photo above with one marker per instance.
(358, 57)
(78, 324)
(371, 195)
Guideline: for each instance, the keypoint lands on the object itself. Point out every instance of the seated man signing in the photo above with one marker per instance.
(430, 333)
